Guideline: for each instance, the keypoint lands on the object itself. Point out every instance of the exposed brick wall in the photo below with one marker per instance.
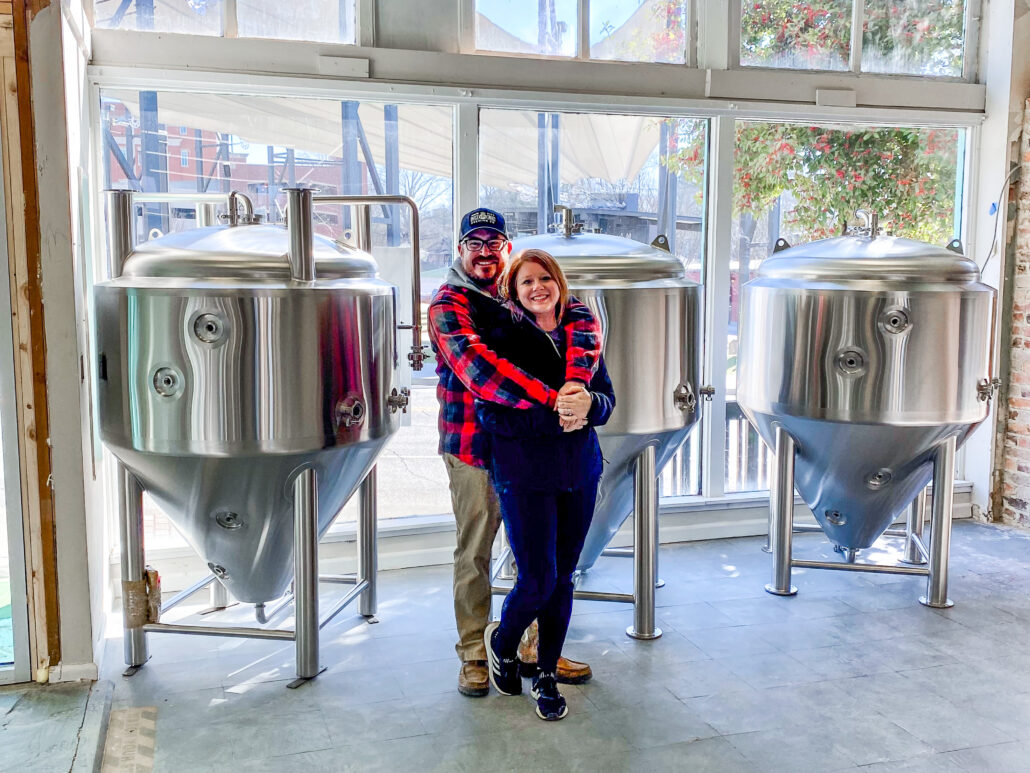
(1015, 476)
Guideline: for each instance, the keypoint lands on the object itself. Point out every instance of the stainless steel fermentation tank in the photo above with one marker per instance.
(247, 383)
(650, 318)
(865, 361)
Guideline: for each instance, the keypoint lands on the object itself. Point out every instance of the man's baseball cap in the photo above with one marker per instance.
(482, 219)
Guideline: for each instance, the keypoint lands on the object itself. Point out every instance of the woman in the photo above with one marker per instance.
(545, 468)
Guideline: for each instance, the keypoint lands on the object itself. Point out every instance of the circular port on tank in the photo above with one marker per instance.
(851, 361)
(894, 321)
(877, 480)
(228, 520)
(209, 328)
(167, 382)
(836, 517)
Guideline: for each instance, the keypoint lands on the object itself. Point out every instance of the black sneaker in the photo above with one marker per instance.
(550, 704)
(504, 672)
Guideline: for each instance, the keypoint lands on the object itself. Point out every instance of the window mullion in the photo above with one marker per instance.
(857, 23)
(716, 303)
(690, 34)
(466, 160)
(583, 30)
(230, 20)
(718, 34)
(365, 23)
(970, 39)
(467, 26)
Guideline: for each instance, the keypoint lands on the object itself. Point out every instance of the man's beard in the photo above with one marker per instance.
(484, 283)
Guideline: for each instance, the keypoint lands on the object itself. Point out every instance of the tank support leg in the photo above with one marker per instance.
(645, 547)
(305, 581)
(915, 521)
(130, 514)
(940, 526)
(219, 595)
(781, 516)
(368, 503)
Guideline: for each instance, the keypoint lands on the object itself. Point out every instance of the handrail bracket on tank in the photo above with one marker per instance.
(301, 200)
(120, 203)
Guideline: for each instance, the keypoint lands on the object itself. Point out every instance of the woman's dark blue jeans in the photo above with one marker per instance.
(546, 530)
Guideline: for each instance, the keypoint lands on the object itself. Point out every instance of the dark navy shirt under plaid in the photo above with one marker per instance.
(468, 369)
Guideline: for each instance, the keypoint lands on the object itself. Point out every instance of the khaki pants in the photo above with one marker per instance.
(478, 516)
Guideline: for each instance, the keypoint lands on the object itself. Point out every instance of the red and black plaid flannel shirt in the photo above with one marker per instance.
(467, 369)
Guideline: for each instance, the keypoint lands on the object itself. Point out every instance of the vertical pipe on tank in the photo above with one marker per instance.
(781, 515)
(367, 557)
(915, 521)
(940, 526)
(119, 230)
(302, 245)
(645, 547)
(305, 581)
(363, 228)
(130, 511)
(207, 214)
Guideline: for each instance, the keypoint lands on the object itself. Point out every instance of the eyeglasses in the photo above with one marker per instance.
(477, 244)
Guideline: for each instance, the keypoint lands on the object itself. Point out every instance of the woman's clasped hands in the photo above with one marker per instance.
(573, 405)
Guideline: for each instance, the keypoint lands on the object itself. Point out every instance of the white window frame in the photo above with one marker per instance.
(970, 40)
(467, 37)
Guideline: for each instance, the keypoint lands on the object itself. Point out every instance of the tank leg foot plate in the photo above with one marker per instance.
(303, 679)
(777, 592)
(632, 633)
(926, 603)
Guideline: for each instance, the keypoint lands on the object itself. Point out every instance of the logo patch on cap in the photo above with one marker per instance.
(482, 217)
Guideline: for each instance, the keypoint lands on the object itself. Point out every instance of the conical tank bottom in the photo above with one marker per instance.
(237, 512)
(857, 478)
(615, 494)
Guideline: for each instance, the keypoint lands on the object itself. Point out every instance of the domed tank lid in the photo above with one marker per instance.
(588, 257)
(860, 254)
(249, 252)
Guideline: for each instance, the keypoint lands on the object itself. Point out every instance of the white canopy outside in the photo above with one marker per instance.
(609, 147)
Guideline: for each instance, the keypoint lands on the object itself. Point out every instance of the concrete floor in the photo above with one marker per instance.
(852, 673)
(51, 728)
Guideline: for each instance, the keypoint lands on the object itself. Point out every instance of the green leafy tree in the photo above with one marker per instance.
(922, 37)
(907, 175)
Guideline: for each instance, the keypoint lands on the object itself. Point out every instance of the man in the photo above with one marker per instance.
(467, 369)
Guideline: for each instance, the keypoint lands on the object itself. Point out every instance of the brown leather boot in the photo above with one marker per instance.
(474, 678)
(568, 671)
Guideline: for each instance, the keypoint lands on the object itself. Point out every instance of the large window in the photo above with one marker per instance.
(262, 145)
(915, 37)
(328, 21)
(630, 174)
(633, 176)
(799, 183)
(623, 30)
